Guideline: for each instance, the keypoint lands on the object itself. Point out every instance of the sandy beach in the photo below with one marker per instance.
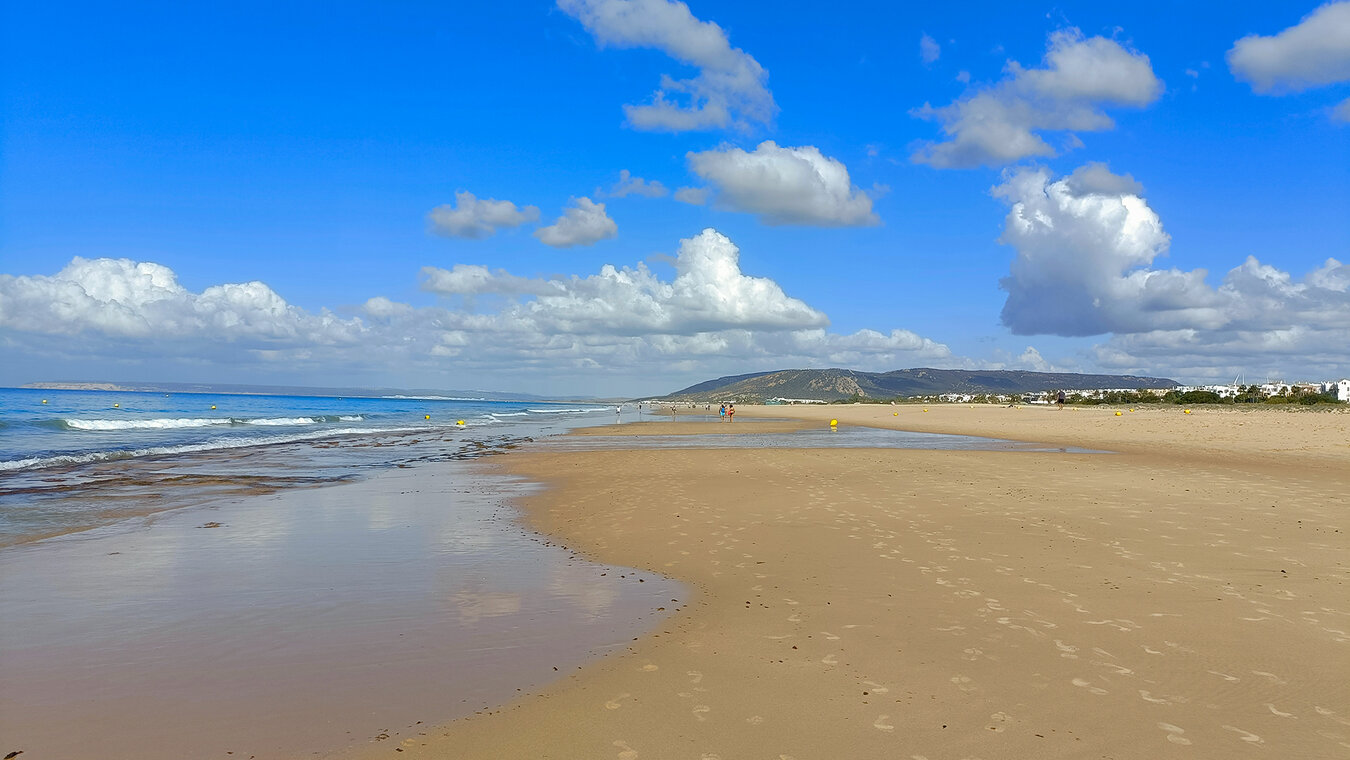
(1185, 596)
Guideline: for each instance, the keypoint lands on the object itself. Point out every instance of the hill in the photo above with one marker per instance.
(837, 384)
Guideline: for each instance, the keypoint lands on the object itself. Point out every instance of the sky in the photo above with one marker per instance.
(626, 197)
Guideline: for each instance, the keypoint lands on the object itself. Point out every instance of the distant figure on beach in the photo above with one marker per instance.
(722, 413)
(1060, 401)
(731, 413)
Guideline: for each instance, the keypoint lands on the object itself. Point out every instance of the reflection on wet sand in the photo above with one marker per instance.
(309, 619)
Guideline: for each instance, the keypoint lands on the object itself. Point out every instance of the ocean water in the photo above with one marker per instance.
(78, 460)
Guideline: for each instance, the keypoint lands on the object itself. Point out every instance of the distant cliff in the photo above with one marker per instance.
(836, 384)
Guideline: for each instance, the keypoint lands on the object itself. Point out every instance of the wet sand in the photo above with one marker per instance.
(1188, 596)
(298, 623)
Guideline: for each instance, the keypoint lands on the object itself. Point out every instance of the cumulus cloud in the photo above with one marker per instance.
(630, 185)
(121, 300)
(709, 293)
(475, 219)
(1313, 53)
(1078, 79)
(610, 330)
(585, 223)
(729, 89)
(1085, 250)
(929, 50)
(784, 185)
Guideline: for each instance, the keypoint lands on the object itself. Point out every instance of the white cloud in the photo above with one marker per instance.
(785, 185)
(475, 219)
(929, 50)
(998, 124)
(694, 196)
(585, 223)
(630, 185)
(1312, 53)
(116, 300)
(1086, 246)
(601, 333)
(709, 293)
(729, 89)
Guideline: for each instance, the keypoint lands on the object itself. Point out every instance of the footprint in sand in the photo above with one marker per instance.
(1325, 713)
(1174, 733)
(1084, 684)
(830, 659)
(1120, 670)
(829, 636)
(699, 710)
(1275, 711)
(881, 723)
(755, 720)
(1147, 696)
(876, 687)
(1000, 721)
(1246, 736)
(613, 704)
(1224, 676)
(695, 676)
(649, 667)
(963, 683)
(625, 752)
(1068, 651)
(1274, 678)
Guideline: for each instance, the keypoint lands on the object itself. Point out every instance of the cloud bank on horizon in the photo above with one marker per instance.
(847, 248)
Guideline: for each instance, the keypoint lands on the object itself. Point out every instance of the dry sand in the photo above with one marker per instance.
(1186, 597)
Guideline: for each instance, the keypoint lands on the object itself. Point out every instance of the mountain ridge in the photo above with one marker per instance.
(835, 384)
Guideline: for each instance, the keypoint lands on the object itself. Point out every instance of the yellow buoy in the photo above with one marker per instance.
(426, 416)
(895, 414)
(117, 406)
(459, 422)
(213, 406)
(44, 400)
(925, 410)
(833, 423)
(1117, 414)
(1188, 411)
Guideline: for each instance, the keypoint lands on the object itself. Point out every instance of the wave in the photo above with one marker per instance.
(171, 423)
(231, 442)
(508, 414)
(570, 411)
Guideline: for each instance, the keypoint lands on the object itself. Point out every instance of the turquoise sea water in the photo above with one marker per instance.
(73, 460)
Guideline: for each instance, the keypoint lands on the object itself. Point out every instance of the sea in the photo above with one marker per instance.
(77, 460)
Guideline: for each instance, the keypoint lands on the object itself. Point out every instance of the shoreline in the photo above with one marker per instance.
(1185, 595)
(300, 622)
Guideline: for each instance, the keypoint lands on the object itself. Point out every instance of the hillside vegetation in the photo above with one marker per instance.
(839, 384)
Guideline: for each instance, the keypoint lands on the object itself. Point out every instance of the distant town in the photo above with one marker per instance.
(1331, 391)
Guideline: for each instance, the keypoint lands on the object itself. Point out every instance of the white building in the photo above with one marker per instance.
(1340, 387)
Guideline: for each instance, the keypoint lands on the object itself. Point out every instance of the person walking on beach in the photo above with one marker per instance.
(1060, 401)
(731, 413)
(722, 413)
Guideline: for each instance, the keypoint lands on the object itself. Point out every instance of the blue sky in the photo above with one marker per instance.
(264, 195)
